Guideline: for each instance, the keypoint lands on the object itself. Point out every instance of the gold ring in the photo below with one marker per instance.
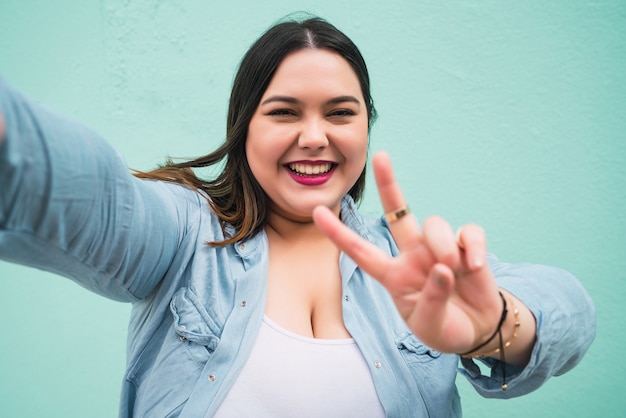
(397, 214)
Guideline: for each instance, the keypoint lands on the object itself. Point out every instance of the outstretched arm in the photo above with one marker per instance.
(69, 205)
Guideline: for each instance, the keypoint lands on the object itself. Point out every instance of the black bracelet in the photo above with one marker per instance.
(498, 332)
(505, 311)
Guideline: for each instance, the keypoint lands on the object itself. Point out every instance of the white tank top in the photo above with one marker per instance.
(288, 375)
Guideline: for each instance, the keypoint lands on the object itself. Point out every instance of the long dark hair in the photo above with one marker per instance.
(235, 195)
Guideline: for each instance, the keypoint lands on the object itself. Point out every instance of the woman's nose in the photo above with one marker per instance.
(312, 135)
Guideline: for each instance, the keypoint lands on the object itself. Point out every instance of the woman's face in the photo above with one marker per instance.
(307, 140)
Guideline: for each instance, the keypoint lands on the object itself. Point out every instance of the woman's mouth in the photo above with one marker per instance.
(311, 174)
(303, 169)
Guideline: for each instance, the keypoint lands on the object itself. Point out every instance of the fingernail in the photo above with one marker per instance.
(478, 262)
(439, 279)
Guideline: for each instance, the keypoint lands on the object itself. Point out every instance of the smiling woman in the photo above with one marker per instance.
(264, 289)
(307, 142)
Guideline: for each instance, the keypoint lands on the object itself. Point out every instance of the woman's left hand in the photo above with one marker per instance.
(441, 283)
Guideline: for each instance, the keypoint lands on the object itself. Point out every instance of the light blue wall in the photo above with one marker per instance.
(510, 114)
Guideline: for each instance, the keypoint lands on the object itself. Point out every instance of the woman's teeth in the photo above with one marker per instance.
(310, 169)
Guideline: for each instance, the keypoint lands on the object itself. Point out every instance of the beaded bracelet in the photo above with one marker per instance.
(508, 343)
(498, 332)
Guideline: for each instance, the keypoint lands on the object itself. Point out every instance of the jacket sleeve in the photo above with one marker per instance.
(565, 327)
(69, 205)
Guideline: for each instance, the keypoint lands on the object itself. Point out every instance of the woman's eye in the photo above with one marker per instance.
(281, 112)
(342, 112)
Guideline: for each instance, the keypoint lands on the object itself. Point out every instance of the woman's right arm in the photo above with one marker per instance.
(69, 205)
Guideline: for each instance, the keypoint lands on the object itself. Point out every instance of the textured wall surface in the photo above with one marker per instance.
(509, 114)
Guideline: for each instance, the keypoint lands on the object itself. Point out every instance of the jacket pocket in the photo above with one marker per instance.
(167, 370)
(414, 351)
(196, 329)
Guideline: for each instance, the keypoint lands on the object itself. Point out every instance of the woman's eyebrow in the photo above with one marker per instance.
(343, 99)
(286, 99)
(293, 100)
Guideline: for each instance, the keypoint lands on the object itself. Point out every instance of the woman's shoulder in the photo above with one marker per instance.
(181, 200)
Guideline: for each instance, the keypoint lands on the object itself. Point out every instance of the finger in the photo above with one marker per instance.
(370, 258)
(440, 240)
(433, 304)
(478, 278)
(405, 230)
(471, 238)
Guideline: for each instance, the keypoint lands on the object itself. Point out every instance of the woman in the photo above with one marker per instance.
(264, 292)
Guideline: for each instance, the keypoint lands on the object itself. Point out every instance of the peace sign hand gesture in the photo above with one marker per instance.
(442, 286)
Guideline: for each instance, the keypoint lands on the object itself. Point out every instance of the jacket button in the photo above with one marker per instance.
(183, 339)
(243, 303)
(378, 365)
(212, 378)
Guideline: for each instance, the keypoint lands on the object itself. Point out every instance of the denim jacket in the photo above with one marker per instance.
(69, 205)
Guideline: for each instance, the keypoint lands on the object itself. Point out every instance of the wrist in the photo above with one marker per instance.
(505, 334)
(492, 343)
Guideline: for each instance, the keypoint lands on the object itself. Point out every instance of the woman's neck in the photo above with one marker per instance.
(293, 229)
